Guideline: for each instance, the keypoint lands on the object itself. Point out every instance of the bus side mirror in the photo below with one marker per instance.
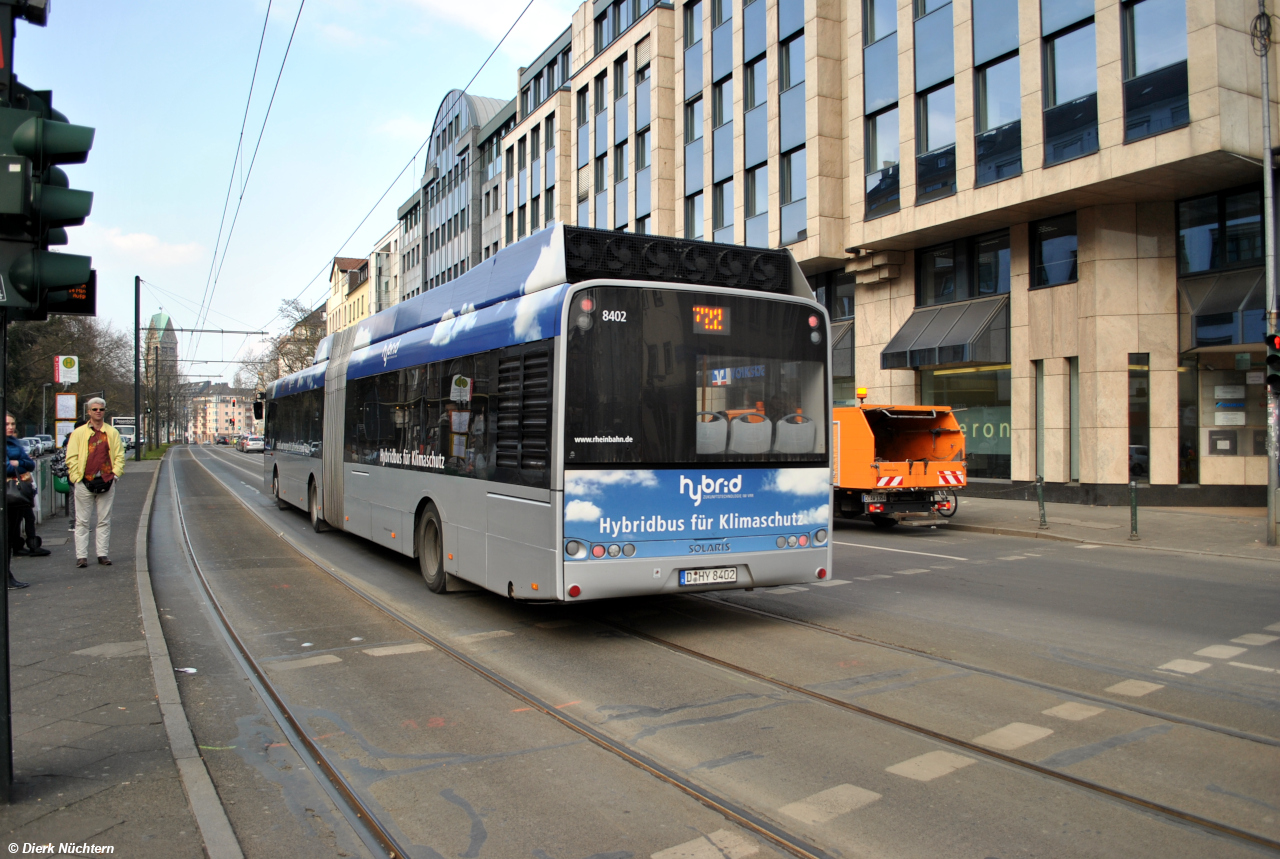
(257, 410)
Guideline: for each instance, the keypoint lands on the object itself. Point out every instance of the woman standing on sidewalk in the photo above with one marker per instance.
(19, 464)
(95, 460)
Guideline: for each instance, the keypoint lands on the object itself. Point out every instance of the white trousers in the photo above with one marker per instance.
(86, 503)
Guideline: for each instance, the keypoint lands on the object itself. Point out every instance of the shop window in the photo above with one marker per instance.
(985, 395)
(1220, 231)
(1139, 417)
(1055, 242)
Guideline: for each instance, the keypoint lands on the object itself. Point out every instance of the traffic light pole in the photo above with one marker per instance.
(137, 361)
(1262, 47)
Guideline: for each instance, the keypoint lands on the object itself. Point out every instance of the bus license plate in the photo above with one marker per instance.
(718, 575)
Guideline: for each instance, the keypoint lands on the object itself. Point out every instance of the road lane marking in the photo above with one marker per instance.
(1089, 546)
(1012, 736)
(829, 804)
(325, 659)
(483, 636)
(1254, 667)
(1221, 651)
(831, 583)
(1013, 558)
(1275, 627)
(872, 578)
(1255, 640)
(904, 552)
(397, 649)
(1134, 688)
(911, 572)
(721, 844)
(929, 766)
(788, 589)
(1073, 711)
(1186, 666)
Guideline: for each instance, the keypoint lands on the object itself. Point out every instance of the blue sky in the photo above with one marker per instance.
(164, 84)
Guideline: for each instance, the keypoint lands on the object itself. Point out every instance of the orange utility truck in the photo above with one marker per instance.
(896, 462)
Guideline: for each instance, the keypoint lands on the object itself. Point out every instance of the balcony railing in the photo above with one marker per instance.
(1156, 102)
(999, 153)
(935, 175)
(1071, 130)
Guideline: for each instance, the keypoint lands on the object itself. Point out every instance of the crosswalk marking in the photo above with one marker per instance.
(1185, 666)
(911, 572)
(1221, 651)
(1012, 736)
(721, 844)
(872, 578)
(832, 583)
(1253, 639)
(1254, 667)
(397, 649)
(929, 766)
(1073, 711)
(829, 804)
(1134, 688)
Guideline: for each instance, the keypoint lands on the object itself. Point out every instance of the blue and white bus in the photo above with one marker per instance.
(584, 415)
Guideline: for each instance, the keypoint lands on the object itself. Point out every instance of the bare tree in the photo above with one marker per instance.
(287, 352)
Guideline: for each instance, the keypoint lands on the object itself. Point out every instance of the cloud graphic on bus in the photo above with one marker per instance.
(581, 511)
(450, 326)
(527, 328)
(800, 481)
(816, 516)
(593, 482)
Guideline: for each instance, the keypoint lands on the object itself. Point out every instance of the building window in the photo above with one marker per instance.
(621, 162)
(722, 211)
(535, 209)
(549, 202)
(693, 120)
(642, 226)
(692, 23)
(1070, 82)
(722, 103)
(642, 150)
(985, 395)
(1155, 89)
(882, 164)
(793, 214)
(510, 229)
(621, 75)
(1220, 231)
(693, 215)
(601, 90)
(968, 268)
(1054, 243)
(791, 63)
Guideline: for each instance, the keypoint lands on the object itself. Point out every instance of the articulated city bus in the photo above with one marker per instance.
(586, 414)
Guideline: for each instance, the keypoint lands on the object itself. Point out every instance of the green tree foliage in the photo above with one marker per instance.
(106, 366)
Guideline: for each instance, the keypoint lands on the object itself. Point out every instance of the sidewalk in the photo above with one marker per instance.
(1230, 531)
(92, 760)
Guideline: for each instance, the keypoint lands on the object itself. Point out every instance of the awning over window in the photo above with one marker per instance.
(965, 332)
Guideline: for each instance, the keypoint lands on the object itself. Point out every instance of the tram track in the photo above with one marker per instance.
(745, 817)
(777, 836)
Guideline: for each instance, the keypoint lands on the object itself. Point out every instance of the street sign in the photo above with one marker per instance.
(64, 407)
(66, 369)
(60, 431)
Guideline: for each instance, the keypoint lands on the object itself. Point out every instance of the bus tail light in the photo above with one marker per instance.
(597, 551)
(820, 536)
(822, 573)
(575, 591)
(804, 540)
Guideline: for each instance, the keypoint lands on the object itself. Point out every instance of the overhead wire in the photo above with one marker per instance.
(249, 174)
(244, 121)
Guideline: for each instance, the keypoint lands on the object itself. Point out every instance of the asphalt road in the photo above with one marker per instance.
(1147, 673)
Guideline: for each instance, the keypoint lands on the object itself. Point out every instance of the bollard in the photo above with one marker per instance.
(1044, 523)
(1133, 510)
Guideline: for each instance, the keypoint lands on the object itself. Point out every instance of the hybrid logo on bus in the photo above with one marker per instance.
(389, 350)
(707, 486)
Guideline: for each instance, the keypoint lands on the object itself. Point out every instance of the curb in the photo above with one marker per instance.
(1062, 538)
(206, 806)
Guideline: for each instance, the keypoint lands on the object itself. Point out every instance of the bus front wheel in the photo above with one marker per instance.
(431, 549)
(281, 504)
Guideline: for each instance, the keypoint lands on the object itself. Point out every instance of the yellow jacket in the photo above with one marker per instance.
(78, 451)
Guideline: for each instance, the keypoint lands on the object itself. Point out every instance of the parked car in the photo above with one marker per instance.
(32, 445)
(222, 439)
(47, 442)
(253, 444)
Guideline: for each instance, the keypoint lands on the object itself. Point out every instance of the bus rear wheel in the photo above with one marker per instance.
(431, 550)
(281, 504)
(313, 502)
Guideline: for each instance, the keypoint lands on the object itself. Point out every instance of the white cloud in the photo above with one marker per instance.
(143, 248)
(800, 481)
(581, 511)
(591, 482)
(816, 516)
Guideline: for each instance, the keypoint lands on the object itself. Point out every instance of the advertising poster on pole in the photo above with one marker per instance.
(64, 407)
(61, 429)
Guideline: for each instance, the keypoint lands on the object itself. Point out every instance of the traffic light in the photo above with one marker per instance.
(1273, 362)
(37, 202)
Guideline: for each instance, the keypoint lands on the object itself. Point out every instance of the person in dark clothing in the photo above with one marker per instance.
(19, 464)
